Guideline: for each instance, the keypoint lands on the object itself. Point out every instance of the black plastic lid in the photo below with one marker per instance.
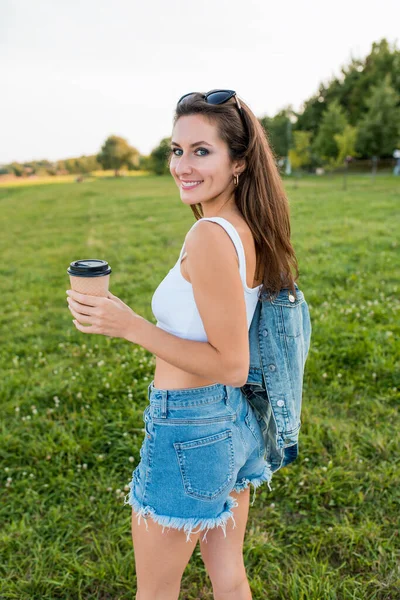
(89, 267)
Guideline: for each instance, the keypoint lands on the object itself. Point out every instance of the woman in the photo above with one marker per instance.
(203, 444)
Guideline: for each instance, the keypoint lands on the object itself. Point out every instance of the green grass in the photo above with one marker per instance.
(72, 404)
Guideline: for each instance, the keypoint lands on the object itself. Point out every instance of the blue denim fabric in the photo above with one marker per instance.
(200, 444)
(279, 338)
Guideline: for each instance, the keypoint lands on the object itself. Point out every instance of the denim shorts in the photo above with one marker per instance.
(200, 444)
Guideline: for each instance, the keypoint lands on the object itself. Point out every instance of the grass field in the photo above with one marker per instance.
(88, 177)
(72, 404)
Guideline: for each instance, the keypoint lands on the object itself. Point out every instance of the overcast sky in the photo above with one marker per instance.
(74, 72)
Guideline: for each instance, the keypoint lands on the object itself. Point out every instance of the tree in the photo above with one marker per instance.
(300, 154)
(158, 160)
(115, 153)
(352, 86)
(277, 129)
(379, 130)
(333, 122)
(346, 142)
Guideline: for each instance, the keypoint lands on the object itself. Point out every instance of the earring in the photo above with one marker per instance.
(236, 180)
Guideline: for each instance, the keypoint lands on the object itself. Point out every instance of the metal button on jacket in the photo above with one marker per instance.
(280, 403)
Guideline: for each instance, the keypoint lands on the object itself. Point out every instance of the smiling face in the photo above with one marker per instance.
(207, 162)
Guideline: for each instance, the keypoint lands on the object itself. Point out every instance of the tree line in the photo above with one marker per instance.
(355, 115)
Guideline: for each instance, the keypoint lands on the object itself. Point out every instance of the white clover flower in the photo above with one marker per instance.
(84, 466)
(131, 459)
(127, 488)
(324, 375)
(79, 395)
(109, 489)
(17, 409)
(100, 363)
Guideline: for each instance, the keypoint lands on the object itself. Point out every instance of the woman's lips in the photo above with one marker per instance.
(189, 187)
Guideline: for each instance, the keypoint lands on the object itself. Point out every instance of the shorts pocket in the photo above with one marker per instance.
(206, 464)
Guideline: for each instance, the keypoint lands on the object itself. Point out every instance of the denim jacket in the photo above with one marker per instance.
(279, 337)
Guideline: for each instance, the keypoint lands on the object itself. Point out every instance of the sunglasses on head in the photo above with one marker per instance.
(219, 97)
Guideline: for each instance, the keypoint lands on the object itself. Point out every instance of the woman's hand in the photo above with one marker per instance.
(107, 316)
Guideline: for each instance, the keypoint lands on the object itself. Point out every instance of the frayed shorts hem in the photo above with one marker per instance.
(244, 483)
(187, 524)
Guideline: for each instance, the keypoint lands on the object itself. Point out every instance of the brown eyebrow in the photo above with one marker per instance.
(191, 145)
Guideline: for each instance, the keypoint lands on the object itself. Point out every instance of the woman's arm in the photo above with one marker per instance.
(198, 358)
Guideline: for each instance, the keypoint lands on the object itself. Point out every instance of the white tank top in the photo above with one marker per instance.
(173, 302)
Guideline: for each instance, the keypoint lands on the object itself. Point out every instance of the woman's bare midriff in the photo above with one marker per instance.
(167, 376)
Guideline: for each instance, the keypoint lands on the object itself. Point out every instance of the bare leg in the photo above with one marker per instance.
(160, 559)
(223, 557)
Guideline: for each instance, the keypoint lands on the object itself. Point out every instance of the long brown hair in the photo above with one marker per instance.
(260, 195)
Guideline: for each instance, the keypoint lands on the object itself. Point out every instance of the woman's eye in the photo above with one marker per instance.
(173, 150)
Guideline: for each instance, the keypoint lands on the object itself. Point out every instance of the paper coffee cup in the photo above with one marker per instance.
(90, 276)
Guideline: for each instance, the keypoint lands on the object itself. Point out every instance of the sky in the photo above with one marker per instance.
(74, 72)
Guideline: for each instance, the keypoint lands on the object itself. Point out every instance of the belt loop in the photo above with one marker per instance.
(164, 394)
